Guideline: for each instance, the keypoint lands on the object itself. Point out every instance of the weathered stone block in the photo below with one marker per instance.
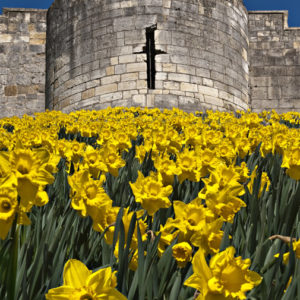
(139, 100)
(111, 97)
(110, 79)
(110, 70)
(130, 58)
(105, 89)
(213, 100)
(129, 76)
(5, 38)
(208, 91)
(188, 87)
(127, 85)
(178, 77)
(88, 94)
(11, 90)
(136, 67)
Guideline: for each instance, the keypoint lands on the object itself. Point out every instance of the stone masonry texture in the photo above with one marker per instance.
(22, 61)
(275, 62)
(91, 54)
(94, 57)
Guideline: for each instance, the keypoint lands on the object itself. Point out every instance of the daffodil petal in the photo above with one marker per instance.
(75, 273)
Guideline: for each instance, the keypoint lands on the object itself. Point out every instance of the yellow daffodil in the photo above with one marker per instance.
(291, 161)
(151, 193)
(88, 196)
(226, 278)
(81, 284)
(8, 209)
(221, 192)
(182, 252)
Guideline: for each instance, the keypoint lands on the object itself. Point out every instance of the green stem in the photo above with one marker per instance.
(13, 263)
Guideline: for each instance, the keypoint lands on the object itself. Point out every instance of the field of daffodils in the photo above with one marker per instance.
(144, 204)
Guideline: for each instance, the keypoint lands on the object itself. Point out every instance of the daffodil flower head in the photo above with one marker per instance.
(182, 252)
(79, 283)
(226, 278)
(150, 192)
(8, 209)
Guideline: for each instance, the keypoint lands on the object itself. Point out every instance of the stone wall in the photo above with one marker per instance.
(274, 54)
(94, 57)
(22, 61)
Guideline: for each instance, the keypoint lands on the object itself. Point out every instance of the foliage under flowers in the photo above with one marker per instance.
(162, 198)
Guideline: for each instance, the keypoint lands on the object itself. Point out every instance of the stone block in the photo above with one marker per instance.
(5, 38)
(120, 69)
(128, 94)
(274, 92)
(208, 82)
(110, 97)
(226, 96)
(129, 76)
(178, 77)
(208, 91)
(150, 100)
(136, 67)
(110, 70)
(163, 37)
(163, 58)
(37, 35)
(130, 58)
(259, 93)
(105, 89)
(167, 67)
(124, 23)
(127, 85)
(188, 87)
(139, 100)
(166, 101)
(213, 100)
(10, 90)
(181, 59)
(141, 84)
(114, 60)
(110, 79)
(171, 85)
(88, 94)
(161, 76)
(186, 69)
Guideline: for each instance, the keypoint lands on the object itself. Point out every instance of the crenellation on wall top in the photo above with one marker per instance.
(6, 10)
(284, 13)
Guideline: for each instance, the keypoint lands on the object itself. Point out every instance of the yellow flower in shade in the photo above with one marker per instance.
(79, 283)
(166, 169)
(286, 256)
(190, 166)
(167, 236)
(111, 157)
(28, 167)
(106, 220)
(197, 224)
(127, 216)
(182, 252)
(265, 181)
(121, 140)
(291, 161)
(151, 193)
(88, 196)
(8, 209)
(92, 161)
(226, 278)
(221, 192)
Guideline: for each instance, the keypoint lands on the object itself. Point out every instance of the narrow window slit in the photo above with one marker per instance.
(151, 52)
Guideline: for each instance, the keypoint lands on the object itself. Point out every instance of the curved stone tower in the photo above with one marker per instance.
(190, 54)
